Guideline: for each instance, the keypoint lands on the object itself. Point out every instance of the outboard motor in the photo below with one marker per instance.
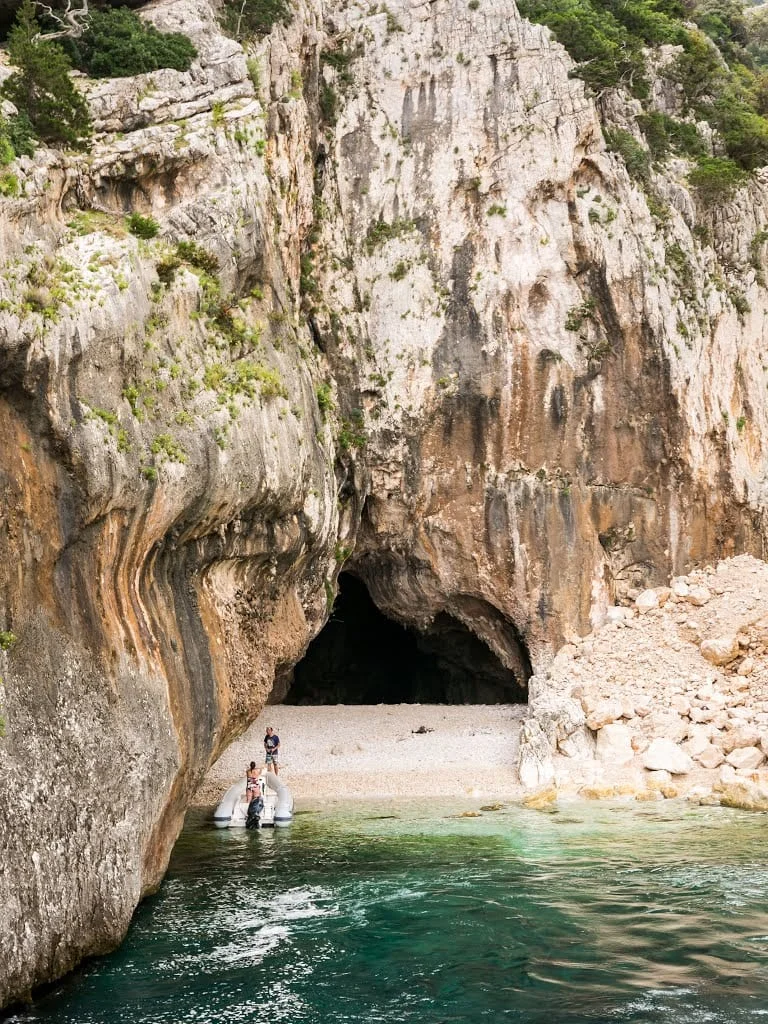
(255, 807)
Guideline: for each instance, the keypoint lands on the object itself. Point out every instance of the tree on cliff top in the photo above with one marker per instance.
(41, 86)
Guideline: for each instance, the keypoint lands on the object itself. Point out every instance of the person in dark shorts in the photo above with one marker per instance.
(272, 748)
(251, 782)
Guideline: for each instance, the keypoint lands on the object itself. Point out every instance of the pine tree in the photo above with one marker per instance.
(41, 87)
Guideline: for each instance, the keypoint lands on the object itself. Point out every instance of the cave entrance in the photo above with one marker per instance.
(362, 657)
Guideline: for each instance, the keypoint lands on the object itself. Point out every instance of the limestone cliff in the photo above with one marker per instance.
(428, 325)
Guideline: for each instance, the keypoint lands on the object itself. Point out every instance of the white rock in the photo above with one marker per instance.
(680, 588)
(681, 704)
(578, 744)
(696, 744)
(615, 614)
(666, 755)
(746, 757)
(614, 744)
(720, 650)
(698, 596)
(603, 714)
(728, 773)
(747, 667)
(535, 759)
(642, 705)
(710, 757)
(741, 736)
(646, 601)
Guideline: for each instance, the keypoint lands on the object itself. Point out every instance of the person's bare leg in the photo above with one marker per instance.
(276, 767)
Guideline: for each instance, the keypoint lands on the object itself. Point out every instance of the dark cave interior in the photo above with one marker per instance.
(362, 657)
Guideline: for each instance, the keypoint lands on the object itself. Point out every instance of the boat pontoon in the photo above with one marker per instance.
(273, 805)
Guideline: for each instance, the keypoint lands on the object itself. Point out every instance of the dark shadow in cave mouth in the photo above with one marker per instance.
(362, 657)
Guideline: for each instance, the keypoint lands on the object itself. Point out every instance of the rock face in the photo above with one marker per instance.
(436, 336)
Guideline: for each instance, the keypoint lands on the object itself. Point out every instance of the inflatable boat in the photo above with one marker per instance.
(272, 807)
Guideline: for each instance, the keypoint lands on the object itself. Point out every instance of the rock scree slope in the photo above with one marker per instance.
(402, 342)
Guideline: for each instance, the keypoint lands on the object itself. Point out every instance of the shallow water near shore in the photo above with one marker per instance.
(400, 912)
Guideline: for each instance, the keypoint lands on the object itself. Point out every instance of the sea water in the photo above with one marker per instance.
(361, 914)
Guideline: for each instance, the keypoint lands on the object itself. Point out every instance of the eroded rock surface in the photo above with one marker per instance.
(484, 388)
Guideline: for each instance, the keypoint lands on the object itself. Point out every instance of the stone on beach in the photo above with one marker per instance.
(614, 743)
(746, 757)
(603, 714)
(720, 650)
(664, 754)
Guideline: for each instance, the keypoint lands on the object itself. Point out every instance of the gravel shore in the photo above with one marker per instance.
(377, 752)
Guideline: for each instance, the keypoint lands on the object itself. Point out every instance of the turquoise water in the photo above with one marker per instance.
(606, 913)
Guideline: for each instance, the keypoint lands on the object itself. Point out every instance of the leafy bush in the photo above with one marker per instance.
(196, 256)
(117, 43)
(247, 18)
(606, 38)
(629, 149)
(717, 178)
(143, 227)
(41, 87)
(665, 134)
(17, 138)
(7, 152)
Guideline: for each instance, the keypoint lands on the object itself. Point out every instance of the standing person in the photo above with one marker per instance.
(251, 782)
(272, 747)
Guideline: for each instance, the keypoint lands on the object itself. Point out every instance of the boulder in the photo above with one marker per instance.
(698, 596)
(642, 705)
(710, 756)
(534, 765)
(740, 736)
(542, 799)
(680, 588)
(747, 667)
(667, 724)
(701, 715)
(646, 601)
(616, 614)
(696, 744)
(746, 794)
(603, 714)
(558, 716)
(746, 757)
(579, 744)
(720, 650)
(681, 704)
(614, 744)
(663, 754)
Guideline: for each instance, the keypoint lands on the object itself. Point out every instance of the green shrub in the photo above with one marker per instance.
(9, 186)
(7, 640)
(21, 134)
(665, 134)
(196, 256)
(41, 87)
(606, 38)
(717, 178)
(632, 153)
(324, 398)
(247, 18)
(17, 138)
(143, 227)
(7, 152)
(329, 102)
(117, 43)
